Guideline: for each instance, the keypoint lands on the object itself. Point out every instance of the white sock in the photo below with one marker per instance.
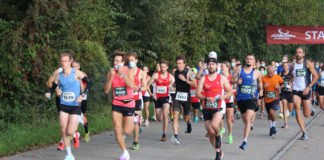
(270, 123)
(274, 123)
(245, 140)
(68, 150)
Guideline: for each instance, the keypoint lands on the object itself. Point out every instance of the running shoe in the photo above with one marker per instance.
(135, 146)
(61, 146)
(189, 128)
(219, 155)
(163, 138)
(313, 112)
(146, 123)
(274, 131)
(76, 140)
(196, 119)
(238, 115)
(243, 146)
(87, 137)
(124, 156)
(230, 139)
(69, 157)
(304, 136)
(175, 140)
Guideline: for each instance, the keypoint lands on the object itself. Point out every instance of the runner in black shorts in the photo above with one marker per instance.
(320, 88)
(182, 99)
(286, 94)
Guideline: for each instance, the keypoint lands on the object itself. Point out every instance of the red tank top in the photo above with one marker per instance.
(212, 89)
(137, 82)
(122, 94)
(193, 90)
(162, 86)
(228, 100)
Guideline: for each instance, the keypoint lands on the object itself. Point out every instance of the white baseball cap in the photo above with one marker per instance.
(212, 54)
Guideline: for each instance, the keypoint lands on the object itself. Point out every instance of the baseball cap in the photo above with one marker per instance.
(212, 54)
(212, 60)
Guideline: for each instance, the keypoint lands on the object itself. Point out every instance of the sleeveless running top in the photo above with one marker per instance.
(248, 89)
(286, 78)
(182, 88)
(302, 76)
(137, 82)
(212, 89)
(231, 98)
(162, 86)
(71, 88)
(322, 78)
(123, 95)
(193, 90)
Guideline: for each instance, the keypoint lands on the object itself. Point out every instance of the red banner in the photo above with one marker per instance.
(295, 35)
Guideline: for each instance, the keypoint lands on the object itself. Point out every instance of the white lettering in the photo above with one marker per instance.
(307, 35)
(314, 34)
(320, 35)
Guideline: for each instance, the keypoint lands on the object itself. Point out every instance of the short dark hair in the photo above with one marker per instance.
(120, 53)
(67, 54)
(133, 54)
(164, 62)
(249, 54)
(181, 57)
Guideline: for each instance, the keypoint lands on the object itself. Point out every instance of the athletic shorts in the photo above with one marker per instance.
(184, 104)
(70, 109)
(229, 105)
(146, 99)
(272, 105)
(244, 105)
(173, 95)
(195, 105)
(84, 105)
(138, 105)
(161, 101)
(320, 91)
(209, 113)
(123, 110)
(300, 94)
(261, 97)
(286, 96)
(58, 102)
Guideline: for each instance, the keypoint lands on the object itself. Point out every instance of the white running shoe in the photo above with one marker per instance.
(175, 140)
(69, 157)
(125, 156)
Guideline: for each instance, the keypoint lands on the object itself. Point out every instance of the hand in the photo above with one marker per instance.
(306, 90)
(278, 87)
(79, 99)
(182, 77)
(239, 81)
(48, 95)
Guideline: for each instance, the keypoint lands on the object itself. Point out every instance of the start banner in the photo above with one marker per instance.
(295, 35)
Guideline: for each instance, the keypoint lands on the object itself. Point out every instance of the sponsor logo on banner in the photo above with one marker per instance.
(281, 35)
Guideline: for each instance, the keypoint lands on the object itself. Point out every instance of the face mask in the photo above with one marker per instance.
(132, 64)
(263, 72)
(248, 65)
(233, 64)
(317, 66)
(262, 64)
(118, 66)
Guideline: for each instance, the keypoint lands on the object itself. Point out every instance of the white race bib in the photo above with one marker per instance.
(68, 96)
(161, 89)
(193, 93)
(182, 96)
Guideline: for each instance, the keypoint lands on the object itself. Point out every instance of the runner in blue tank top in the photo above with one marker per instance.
(248, 83)
(71, 97)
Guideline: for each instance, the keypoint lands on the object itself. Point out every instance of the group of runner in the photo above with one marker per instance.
(218, 90)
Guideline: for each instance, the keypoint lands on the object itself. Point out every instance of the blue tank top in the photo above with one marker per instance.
(70, 87)
(248, 89)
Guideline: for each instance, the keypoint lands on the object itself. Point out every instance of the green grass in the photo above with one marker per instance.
(22, 137)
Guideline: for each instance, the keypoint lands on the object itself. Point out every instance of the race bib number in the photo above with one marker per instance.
(271, 95)
(246, 89)
(300, 72)
(182, 96)
(193, 93)
(68, 96)
(161, 89)
(212, 105)
(120, 91)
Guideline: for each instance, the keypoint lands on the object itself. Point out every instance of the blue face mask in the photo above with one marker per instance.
(118, 66)
(132, 64)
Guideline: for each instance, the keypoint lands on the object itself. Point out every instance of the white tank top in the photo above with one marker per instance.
(322, 78)
(299, 83)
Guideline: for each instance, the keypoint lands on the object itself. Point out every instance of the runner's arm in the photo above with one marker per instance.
(150, 82)
(108, 84)
(200, 88)
(51, 79)
(128, 78)
(314, 74)
(228, 89)
(144, 84)
(260, 84)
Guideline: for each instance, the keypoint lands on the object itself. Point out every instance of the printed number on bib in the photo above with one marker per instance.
(182, 96)
(68, 96)
(212, 105)
(300, 73)
(271, 95)
(161, 89)
(120, 91)
(246, 89)
(193, 93)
